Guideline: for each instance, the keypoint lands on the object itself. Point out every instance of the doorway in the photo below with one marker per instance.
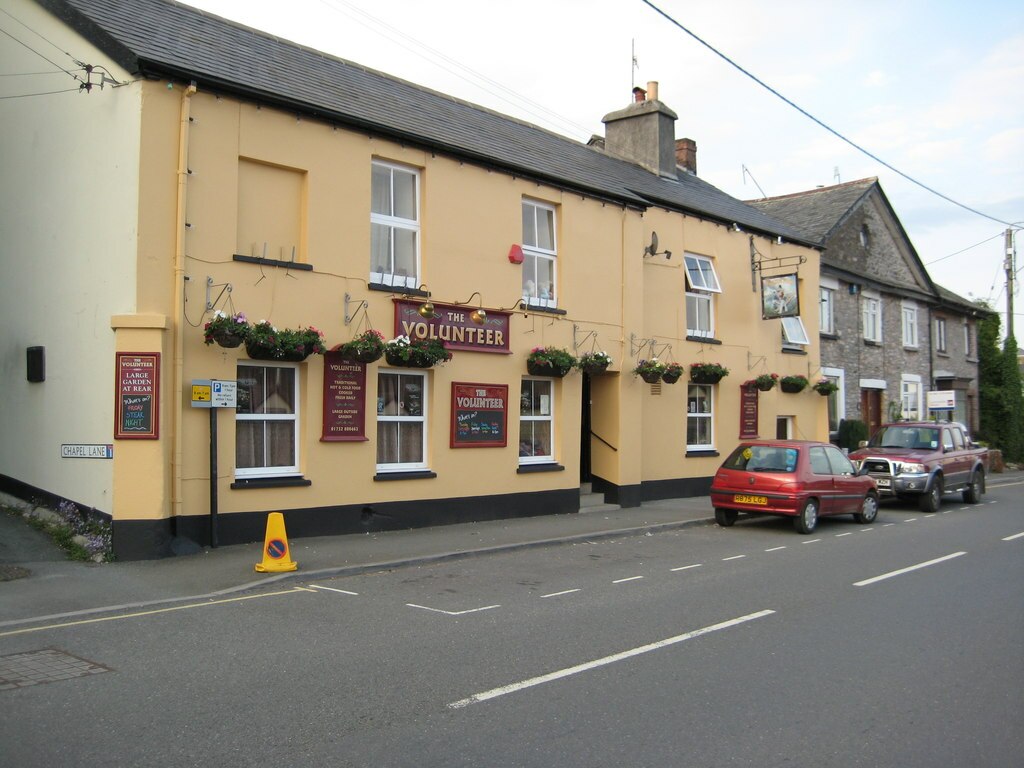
(871, 409)
(783, 427)
(585, 425)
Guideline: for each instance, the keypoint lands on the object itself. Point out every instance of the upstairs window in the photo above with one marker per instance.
(871, 316)
(909, 324)
(940, 334)
(827, 318)
(794, 335)
(394, 226)
(702, 283)
(539, 254)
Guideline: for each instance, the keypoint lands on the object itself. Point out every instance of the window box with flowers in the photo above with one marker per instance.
(265, 342)
(707, 373)
(651, 370)
(673, 373)
(549, 361)
(825, 387)
(594, 362)
(226, 330)
(367, 347)
(793, 384)
(763, 383)
(415, 353)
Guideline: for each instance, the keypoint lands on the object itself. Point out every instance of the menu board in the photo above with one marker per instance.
(344, 400)
(748, 412)
(137, 400)
(479, 415)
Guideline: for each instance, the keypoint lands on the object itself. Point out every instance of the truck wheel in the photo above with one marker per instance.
(930, 501)
(975, 488)
(725, 517)
(868, 510)
(806, 519)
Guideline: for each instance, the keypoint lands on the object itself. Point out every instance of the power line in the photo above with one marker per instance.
(44, 93)
(811, 117)
(964, 250)
(37, 53)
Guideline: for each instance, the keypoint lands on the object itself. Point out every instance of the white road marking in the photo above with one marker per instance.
(901, 571)
(993, 502)
(1015, 536)
(774, 549)
(453, 613)
(631, 578)
(332, 589)
(563, 592)
(686, 567)
(931, 515)
(838, 535)
(810, 541)
(734, 557)
(888, 525)
(866, 530)
(910, 520)
(562, 673)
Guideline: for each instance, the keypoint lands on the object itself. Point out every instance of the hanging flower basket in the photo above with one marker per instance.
(415, 353)
(651, 370)
(673, 373)
(707, 373)
(550, 361)
(765, 382)
(793, 384)
(368, 347)
(594, 363)
(226, 330)
(265, 342)
(825, 387)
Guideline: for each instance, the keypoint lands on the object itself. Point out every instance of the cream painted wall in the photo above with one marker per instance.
(68, 216)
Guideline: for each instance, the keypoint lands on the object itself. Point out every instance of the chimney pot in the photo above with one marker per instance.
(652, 90)
(639, 94)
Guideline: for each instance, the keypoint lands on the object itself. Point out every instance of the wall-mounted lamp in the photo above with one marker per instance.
(478, 315)
(854, 289)
(652, 249)
(736, 227)
(779, 240)
(426, 309)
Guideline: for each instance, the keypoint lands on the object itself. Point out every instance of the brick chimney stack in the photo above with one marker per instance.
(686, 155)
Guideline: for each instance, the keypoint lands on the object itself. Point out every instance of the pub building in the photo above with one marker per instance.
(323, 195)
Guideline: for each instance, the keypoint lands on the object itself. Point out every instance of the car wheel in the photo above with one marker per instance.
(932, 500)
(806, 519)
(868, 510)
(725, 517)
(972, 493)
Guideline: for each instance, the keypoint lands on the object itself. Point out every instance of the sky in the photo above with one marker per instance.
(931, 89)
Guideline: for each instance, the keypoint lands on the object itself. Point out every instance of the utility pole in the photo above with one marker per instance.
(1009, 266)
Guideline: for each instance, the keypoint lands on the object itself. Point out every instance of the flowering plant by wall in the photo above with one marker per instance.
(793, 384)
(415, 353)
(226, 330)
(266, 342)
(707, 373)
(364, 348)
(549, 361)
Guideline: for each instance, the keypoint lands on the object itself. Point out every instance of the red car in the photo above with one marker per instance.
(801, 479)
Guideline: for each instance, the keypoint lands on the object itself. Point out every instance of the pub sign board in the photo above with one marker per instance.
(479, 415)
(137, 396)
(344, 400)
(452, 325)
(748, 412)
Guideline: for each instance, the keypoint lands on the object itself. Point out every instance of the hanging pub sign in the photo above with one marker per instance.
(137, 399)
(344, 400)
(748, 412)
(779, 296)
(479, 415)
(453, 324)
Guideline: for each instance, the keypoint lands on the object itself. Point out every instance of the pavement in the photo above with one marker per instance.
(55, 587)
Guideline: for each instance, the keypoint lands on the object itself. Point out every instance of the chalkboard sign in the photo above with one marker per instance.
(479, 415)
(137, 400)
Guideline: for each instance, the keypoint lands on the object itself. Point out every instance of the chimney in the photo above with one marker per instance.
(644, 133)
(686, 155)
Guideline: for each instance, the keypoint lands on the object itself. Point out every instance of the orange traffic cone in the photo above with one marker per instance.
(276, 557)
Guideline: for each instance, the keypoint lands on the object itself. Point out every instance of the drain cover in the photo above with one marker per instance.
(19, 670)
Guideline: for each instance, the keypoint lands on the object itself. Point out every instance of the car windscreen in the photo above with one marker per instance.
(763, 458)
(915, 438)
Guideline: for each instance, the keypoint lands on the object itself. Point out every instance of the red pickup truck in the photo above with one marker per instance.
(924, 460)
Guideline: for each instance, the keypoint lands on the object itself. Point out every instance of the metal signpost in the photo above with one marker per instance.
(213, 394)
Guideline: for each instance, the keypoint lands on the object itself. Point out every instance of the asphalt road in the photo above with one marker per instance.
(894, 644)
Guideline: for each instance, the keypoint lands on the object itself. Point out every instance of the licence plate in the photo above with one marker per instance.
(741, 498)
(883, 482)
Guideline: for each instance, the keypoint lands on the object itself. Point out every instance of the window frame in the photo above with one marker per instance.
(911, 385)
(536, 252)
(908, 315)
(709, 416)
(940, 335)
(404, 466)
(393, 222)
(548, 458)
(871, 310)
(793, 331)
(827, 311)
(837, 399)
(702, 294)
(293, 417)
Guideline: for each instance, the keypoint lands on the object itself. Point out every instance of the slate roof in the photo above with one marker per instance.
(817, 212)
(164, 39)
(957, 302)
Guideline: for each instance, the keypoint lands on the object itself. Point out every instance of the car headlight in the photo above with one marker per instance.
(912, 469)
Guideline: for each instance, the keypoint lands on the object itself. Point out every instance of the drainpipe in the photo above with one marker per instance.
(179, 297)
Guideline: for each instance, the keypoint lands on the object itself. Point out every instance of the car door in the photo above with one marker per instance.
(820, 481)
(849, 486)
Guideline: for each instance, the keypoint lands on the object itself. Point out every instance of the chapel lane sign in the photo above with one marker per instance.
(452, 325)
